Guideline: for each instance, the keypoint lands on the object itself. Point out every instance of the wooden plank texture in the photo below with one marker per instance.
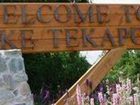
(95, 74)
(44, 27)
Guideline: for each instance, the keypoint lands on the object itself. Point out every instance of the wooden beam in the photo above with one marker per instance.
(35, 27)
(95, 74)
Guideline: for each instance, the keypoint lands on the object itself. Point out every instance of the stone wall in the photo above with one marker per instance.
(14, 89)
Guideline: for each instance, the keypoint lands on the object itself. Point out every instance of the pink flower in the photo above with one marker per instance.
(136, 99)
(131, 100)
(79, 95)
(115, 99)
(129, 86)
(100, 97)
(92, 101)
(118, 88)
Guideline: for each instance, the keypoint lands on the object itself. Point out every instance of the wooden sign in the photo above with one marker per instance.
(68, 27)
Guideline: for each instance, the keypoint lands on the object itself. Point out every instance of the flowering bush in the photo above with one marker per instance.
(122, 93)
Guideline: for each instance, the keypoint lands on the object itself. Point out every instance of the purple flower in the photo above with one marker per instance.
(47, 94)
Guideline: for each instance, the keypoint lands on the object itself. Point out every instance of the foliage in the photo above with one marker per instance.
(128, 66)
(122, 93)
(54, 72)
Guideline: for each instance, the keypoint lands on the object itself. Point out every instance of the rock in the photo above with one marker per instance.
(20, 77)
(15, 92)
(21, 104)
(30, 102)
(24, 89)
(16, 64)
(2, 84)
(13, 53)
(5, 95)
(14, 89)
(3, 66)
(8, 80)
(16, 103)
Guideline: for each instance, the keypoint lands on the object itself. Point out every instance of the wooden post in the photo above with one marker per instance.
(95, 74)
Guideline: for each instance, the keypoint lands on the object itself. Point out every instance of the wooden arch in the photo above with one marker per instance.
(43, 27)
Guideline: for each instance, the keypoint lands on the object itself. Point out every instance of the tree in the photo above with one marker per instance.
(128, 66)
(54, 71)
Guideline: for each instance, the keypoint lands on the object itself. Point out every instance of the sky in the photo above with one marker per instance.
(93, 56)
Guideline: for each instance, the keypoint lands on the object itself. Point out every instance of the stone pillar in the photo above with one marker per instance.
(14, 89)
